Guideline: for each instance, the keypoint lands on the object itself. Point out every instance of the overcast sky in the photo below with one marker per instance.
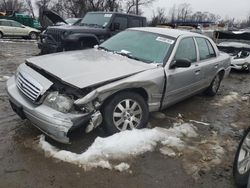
(238, 9)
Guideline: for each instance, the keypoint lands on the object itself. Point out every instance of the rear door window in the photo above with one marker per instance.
(122, 21)
(15, 24)
(135, 22)
(203, 48)
(6, 23)
(186, 50)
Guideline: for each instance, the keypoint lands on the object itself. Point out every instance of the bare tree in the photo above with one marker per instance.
(184, 11)
(12, 5)
(30, 8)
(159, 17)
(133, 6)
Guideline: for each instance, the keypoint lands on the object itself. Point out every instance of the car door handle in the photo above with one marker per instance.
(197, 72)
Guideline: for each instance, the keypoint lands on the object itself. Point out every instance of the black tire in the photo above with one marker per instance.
(33, 36)
(214, 86)
(248, 68)
(1, 35)
(111, 107)
(241, 179)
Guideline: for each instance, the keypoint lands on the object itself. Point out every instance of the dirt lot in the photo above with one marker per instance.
(202, 164)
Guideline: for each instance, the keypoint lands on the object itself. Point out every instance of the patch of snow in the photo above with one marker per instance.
(199, 122)
(122, 167)
(123, 145)
(167, 151)
(233, 96)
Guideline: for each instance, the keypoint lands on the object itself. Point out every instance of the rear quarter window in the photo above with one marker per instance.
(206, 50)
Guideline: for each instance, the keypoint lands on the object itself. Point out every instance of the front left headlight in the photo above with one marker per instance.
(59, 102)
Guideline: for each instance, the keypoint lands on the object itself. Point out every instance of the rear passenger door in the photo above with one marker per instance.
(6, 27)
(207, 59)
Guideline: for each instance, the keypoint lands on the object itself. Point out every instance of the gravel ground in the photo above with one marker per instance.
(226, 115)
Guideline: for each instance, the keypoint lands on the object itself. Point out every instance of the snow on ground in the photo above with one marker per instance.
(125, 145)
(121, 146)
(17, 41)
(232, 97)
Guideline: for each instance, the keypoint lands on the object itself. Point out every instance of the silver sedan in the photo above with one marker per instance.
(118, 83)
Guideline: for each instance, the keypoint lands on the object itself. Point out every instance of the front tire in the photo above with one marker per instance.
(241, 167)
(214, 86)
(125, 111)
(33, 36)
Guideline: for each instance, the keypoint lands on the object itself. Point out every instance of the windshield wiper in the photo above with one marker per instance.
(128, 55)
(103, 48)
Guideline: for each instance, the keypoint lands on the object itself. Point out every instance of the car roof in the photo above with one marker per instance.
(175, 33)
(117, 13)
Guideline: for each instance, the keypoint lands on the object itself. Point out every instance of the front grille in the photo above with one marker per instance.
(55, 34)
(28, 86)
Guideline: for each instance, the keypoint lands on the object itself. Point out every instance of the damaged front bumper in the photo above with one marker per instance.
(55, 124)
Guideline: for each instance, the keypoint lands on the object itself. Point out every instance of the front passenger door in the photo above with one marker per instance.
(182, 82)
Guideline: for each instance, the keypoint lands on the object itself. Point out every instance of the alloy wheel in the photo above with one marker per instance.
(127, 115)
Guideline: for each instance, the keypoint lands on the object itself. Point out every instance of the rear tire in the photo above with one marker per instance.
(125, 111)
(241, 178)
(214, 86)
(1, 35)
(33, 36)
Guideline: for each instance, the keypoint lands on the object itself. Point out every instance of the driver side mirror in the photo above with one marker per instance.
(180, 63)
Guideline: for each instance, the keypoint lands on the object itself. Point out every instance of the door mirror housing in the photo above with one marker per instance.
(180, 63)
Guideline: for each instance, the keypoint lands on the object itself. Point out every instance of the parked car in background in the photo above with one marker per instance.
(10, 28)
(237, 45)
(241, 167)
(95, 28)
(23, 19)
(137, 71)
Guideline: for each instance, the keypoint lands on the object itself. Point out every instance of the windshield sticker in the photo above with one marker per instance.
(107, 15)
(162, 39)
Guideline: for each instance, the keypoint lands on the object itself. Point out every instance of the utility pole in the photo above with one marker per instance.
(137, 7)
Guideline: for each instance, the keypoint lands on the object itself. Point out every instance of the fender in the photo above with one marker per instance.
(102, 93)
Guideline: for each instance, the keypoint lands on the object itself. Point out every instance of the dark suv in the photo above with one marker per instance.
(94, 28)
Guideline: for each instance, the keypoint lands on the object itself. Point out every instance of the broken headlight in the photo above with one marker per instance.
(59, 102)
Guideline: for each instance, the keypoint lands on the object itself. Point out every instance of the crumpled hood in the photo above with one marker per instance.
(91, 67)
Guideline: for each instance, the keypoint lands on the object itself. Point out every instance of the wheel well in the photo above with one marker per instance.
(142, 92)
(221, 73)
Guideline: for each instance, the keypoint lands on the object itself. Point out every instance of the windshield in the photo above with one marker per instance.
(140, 45)
(96, 19)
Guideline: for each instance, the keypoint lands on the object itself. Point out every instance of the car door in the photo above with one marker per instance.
(6, 27)
(182, 82)
(208, 62)
(18, 29)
